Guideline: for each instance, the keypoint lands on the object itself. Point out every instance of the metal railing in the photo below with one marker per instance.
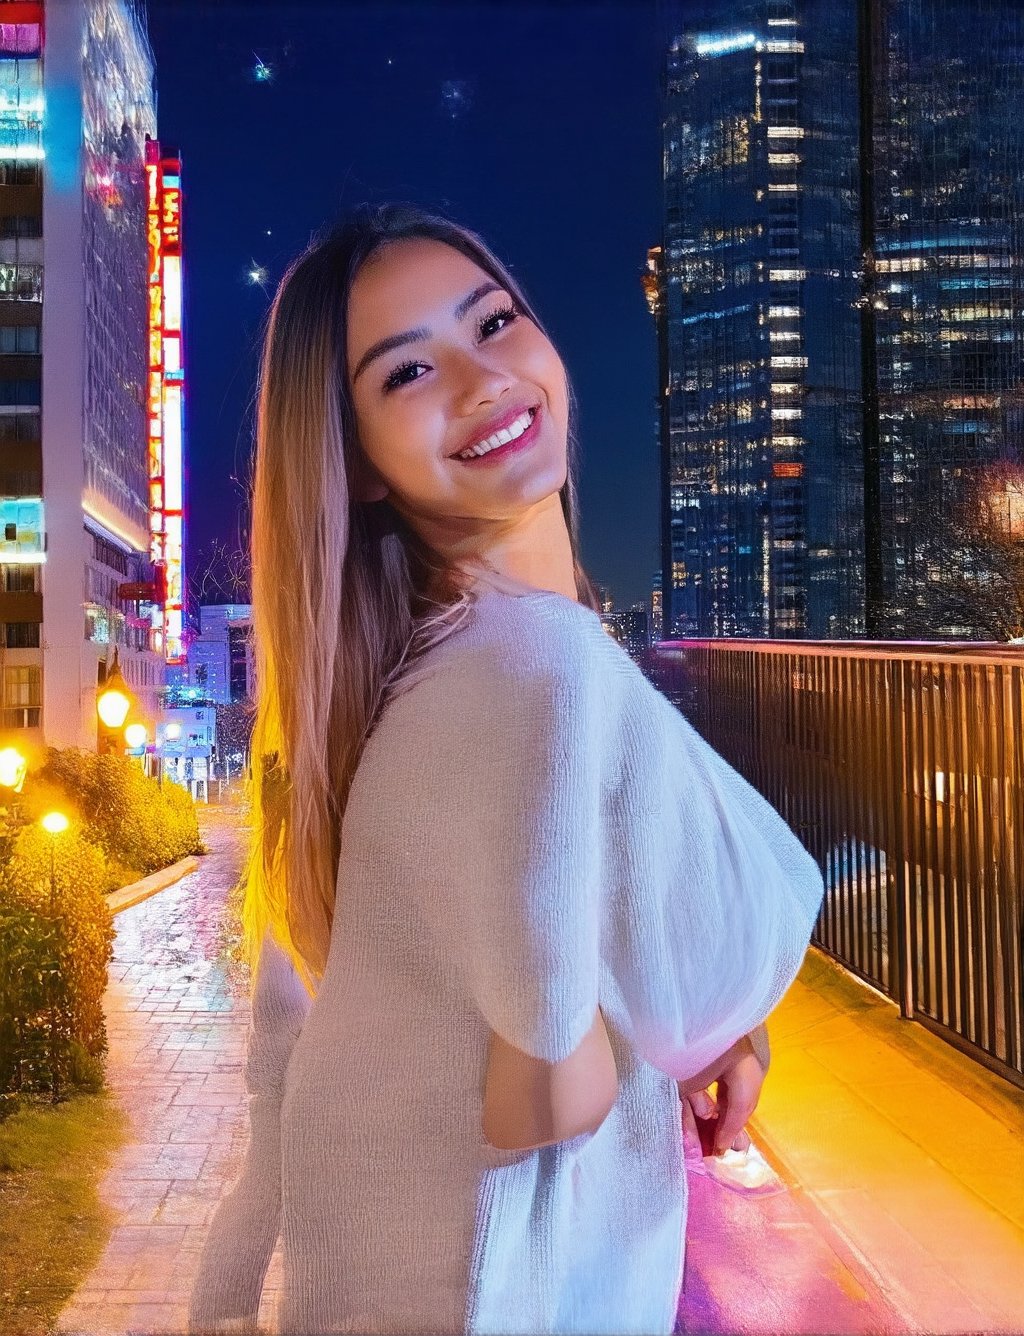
(900, 766)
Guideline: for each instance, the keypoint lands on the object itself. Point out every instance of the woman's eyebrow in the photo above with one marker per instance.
(418, 335)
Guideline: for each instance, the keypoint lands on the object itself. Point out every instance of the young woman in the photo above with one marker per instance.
(505, 907)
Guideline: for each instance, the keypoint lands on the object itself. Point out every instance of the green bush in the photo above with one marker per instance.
(56, 940)
(55, 949)
(139, 825)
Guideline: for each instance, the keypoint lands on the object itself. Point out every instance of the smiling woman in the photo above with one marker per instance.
(501, 897)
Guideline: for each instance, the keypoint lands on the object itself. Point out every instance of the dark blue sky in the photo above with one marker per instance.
(535, 124)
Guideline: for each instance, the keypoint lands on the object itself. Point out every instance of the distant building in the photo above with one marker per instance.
(220, 661)
(838, 298)
(186, 740)
(757, 543)
(946, 283)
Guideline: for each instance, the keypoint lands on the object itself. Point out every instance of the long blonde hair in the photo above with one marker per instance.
(345, 594)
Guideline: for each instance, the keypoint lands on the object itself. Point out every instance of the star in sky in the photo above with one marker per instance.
(456, 96)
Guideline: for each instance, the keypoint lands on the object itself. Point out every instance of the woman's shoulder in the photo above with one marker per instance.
(542, 635)
(513, 653)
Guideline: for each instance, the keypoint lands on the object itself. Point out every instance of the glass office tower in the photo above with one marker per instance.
(948, 93)
(759, 277)
(839, 309)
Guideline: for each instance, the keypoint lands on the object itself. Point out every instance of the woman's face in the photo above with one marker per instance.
(421, 401)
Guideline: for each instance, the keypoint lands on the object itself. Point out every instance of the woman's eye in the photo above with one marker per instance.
(398, 376)
(508, 313)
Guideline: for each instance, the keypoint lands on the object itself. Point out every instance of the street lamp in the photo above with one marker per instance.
(114, 701)
(135, 735)
(54, 823)
(12, 776)
(12, 768)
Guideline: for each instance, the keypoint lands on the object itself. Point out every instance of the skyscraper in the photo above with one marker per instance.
(752, 266)
(77, 104)
(946, 80)
(839, 312)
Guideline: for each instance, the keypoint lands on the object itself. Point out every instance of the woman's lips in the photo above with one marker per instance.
(510, 447)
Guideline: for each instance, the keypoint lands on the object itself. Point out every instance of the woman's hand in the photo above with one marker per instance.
(739, 1075)
(701, 1105)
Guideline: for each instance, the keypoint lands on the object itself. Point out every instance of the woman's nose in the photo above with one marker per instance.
(481, 382)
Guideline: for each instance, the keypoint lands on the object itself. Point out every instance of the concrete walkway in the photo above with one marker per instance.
(898, 1206)
(177, 1016)
(910, 1153)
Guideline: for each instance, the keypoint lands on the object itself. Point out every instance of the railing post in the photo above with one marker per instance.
(901, 892)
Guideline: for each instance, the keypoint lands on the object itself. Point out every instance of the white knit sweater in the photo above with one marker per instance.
(533, 830)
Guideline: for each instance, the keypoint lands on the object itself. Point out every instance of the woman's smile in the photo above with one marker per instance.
(524, 437)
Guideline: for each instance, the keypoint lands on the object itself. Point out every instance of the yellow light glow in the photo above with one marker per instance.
(135, 735)
(113, 705)
(12, 768)
(55, 822)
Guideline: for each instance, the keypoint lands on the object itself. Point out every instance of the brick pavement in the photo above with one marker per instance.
(177, 1019)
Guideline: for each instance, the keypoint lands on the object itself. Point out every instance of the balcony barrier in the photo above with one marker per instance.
(899, 765)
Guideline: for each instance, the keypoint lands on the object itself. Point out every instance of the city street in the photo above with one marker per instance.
(177, 1015)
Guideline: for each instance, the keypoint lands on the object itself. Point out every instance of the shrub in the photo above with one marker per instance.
(55, 945)
(139, 825)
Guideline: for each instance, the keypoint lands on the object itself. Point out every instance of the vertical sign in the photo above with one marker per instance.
(166, 386)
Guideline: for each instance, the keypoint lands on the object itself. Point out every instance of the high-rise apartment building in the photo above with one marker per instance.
(77, 471)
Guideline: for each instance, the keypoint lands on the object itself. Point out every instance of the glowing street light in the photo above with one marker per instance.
(115, 699)
(112, 705)
(55, 823)
(135, 735)
(12, 768)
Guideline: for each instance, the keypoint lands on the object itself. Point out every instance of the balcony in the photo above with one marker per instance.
(892, 1113)
(901, 767)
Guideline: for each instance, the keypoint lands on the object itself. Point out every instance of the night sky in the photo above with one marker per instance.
(535, 124)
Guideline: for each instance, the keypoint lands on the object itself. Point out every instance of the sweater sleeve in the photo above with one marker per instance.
(511, 881)
(243, 1232)
(712, 901)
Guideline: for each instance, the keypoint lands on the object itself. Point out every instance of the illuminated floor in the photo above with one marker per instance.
(902, 1209)
(911, 1152)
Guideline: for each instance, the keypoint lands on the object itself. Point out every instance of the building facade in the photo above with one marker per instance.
(754, 288)
(77, 114)
(838, 303)
(220, 666)
(945, 275)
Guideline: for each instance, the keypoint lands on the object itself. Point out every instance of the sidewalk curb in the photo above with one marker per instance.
(818, 1216)
(140, 890)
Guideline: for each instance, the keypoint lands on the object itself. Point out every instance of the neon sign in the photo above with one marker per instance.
(165, 396)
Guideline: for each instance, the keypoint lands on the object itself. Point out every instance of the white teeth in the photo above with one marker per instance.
(502, 437)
